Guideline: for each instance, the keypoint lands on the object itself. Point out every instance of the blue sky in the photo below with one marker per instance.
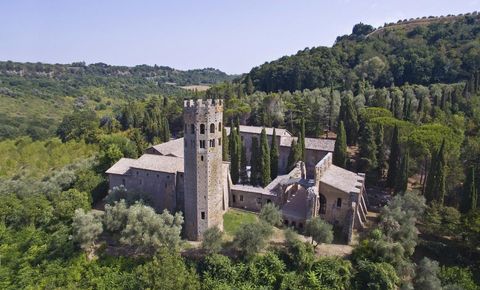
(233, 36)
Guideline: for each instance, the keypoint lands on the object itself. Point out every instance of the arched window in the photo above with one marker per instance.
(212, 128)
(219, 126)
(323, 205)
(202, 128)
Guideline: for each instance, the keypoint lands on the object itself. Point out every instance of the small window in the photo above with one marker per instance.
(168, 176)
(203, 215)
(212, 128)
(147, 174)
(202, 143)
(234, 199)
(140, 181)
(137, 172)
(212, 142)
(259, 201)
(123, 181)
(219, 141)
(192, 129)
(339, 202)
(219, 126)
(201, 157)
(202, 128)
(269, 201)
(241, 197)
(158, 175)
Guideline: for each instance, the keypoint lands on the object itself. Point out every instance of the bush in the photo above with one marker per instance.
(271, 214)
(251, 238)
(320, 231)
(212, 240)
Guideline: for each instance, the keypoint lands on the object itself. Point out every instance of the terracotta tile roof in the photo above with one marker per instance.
(168, 164)
(311, 143)
(342, 179)
(121, 167)
(258, 130)
(170, 148)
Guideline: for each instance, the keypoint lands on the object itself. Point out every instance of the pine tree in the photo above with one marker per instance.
(402, 178)
(368, 147)
(265, 157)
(340, 151)
(254, 163)
(470, 196)
(380, 154)
(234, 158)
(302, 139)
(393, 159)
(274, 155)
(293, 155)
(243, 166)
(224, 145)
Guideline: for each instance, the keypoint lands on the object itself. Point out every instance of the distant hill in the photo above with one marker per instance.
(417, 51)
(34, 97)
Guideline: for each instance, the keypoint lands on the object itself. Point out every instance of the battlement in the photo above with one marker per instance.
(322, 166)
(202, 103)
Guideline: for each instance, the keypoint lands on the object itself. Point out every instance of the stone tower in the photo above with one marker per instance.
(203, 176)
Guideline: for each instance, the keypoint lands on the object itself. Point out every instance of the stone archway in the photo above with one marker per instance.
(323, 204)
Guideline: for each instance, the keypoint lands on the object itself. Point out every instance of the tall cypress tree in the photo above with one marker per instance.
(265, 157)
(435, 184)
(402, 178)
(254, 162)
(224, 145)
(381, 162)
(348, 115)
(243, 166)
(470, 196)
(340, 151)
(393, 159)
(234, 158)
(293, 155)
(368, 147)
(302, 139)
(274, 155)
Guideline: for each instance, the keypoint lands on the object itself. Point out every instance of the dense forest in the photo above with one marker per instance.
(435, 50)
(403, 100)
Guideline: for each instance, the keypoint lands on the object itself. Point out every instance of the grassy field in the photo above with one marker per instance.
(234, 218)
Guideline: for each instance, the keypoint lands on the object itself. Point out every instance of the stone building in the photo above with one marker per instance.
(188, 175)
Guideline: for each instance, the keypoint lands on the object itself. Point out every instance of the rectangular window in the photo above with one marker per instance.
(123, 181)
(219, 141)
(339, 202)
(202, 143)
(234, 198)
(241, 197)
(203, 215)
(212, 142)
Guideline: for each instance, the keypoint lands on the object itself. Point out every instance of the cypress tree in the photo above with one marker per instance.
(368, 147)
(302, 139)
(349, 117)
(470, 196)
(293, 155)
(435, 186)
(274, 155)
(393, 159)
(224, 144)
(402, 178)
(340, 151)
(234, 158)
(265, 157)
(441, 174)
(254, 162)
(243, 166)
(380, 154)
(166, 130)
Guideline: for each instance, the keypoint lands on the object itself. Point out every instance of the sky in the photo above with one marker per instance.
(233, 36)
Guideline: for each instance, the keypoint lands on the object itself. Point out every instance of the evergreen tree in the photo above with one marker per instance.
(224, 145)
(243, 166)
(274, 155)
(293, 156)
(340, 151)
(381, 162)
(349, 117)
(470, 196)
(393, 159)
(265, 159)
(435, 184)
(302, 139)
(402, 178)
(234, 158)
(368, 147)
(166, 130)
(254, 163)
(250, 88)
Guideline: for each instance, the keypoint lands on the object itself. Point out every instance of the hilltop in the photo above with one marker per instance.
(416, 51)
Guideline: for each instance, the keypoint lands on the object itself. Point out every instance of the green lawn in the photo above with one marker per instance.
(234, 218)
